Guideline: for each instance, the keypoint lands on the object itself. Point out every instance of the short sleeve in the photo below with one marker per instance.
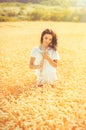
(33, 52)
(56, 56)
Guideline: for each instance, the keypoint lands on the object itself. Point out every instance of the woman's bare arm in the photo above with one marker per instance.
(33, 66)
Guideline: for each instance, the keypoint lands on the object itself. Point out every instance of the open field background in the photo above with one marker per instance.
(24, 106)
(57, 10)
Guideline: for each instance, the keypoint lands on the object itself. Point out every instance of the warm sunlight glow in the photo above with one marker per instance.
(24, 106)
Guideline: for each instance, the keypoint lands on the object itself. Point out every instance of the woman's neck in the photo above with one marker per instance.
(43, 47)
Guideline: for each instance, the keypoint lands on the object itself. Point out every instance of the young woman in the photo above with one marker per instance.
(44, 58)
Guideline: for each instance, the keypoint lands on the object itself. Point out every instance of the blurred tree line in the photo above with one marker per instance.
(51, 2)
(42, 10)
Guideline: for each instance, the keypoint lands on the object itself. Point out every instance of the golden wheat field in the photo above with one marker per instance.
(24, 106)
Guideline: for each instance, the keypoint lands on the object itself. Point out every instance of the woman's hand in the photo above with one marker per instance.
(46, 56)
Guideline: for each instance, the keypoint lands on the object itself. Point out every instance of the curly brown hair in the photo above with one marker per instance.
(54, 42)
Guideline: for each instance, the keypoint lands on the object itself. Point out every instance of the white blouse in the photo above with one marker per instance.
(48, 73)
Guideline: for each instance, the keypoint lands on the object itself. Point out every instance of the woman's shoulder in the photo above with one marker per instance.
(53, 50)
(55, 53)
(34, 51)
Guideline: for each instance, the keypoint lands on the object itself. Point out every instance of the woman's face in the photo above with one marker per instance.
(47, 39)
